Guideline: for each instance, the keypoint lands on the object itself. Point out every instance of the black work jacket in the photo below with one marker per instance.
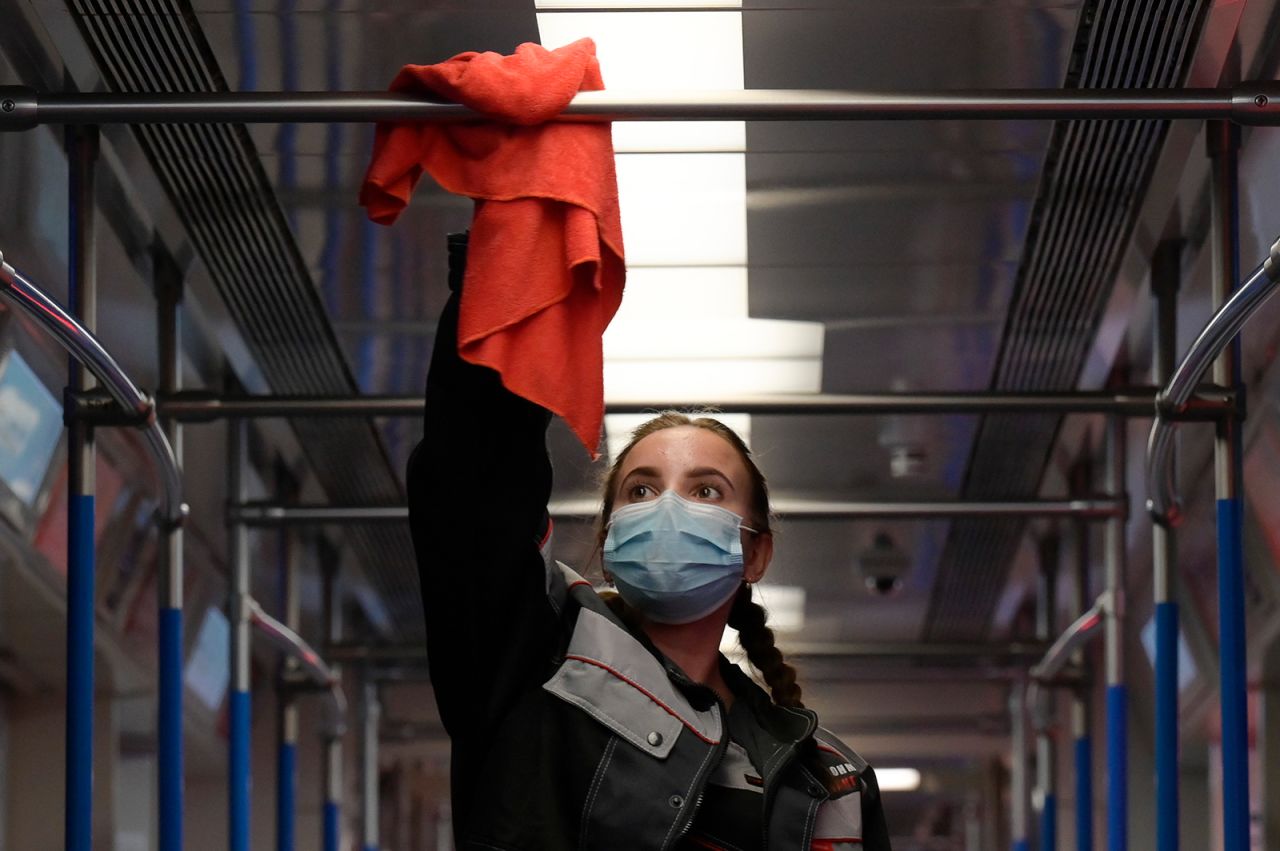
(569, 731)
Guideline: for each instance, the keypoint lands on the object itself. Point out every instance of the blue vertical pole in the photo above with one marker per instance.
(1049, 823)
(1167, 726)
(1117, 691)
(238, 776)
(1084, 792)
(1224, 141)
(1045, 712)
(331, 826)
(286, 794)
(1165, 275)
(332, 740)
(1117, 767)
(82, 152)
(169, 709)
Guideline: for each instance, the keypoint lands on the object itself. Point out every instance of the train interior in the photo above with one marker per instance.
(800, 259)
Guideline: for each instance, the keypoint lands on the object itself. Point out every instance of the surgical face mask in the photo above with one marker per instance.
(673, 559)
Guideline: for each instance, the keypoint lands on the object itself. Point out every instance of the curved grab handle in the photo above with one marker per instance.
(1216, 335)
(293, 645)
(85, 347)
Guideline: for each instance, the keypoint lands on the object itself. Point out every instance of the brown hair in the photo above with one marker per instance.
(747, 617)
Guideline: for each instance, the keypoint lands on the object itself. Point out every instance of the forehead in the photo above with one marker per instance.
(674, 450)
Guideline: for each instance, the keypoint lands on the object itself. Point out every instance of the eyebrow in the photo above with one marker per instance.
(702, 472)
(648, 472)
(696, 473)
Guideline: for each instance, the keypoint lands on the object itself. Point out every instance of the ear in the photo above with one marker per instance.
(757, 553)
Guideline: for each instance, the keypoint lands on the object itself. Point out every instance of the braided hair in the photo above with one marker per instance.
(746, 616)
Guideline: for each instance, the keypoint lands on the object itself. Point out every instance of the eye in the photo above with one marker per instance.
(706, 492)
(640, 491)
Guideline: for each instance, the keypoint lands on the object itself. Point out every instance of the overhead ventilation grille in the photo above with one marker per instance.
(1095, 176)
(215, 180)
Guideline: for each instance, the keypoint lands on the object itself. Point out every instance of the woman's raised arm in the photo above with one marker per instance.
(478, 488)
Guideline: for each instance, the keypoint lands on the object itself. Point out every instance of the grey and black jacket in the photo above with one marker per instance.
(568, 730)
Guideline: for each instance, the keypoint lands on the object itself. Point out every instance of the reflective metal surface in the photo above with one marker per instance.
(86, 348)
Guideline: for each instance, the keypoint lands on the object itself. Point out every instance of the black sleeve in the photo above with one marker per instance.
(875, 831)
(478, 487)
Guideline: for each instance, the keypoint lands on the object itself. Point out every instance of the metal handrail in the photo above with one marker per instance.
(275, 514)
(1072, 639)
(86, 348)
(1248, 103)
(204, 406)
(1044, 673)
(294, 646)
(1216, 335)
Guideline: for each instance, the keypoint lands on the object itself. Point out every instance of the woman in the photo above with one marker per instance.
(578, 723)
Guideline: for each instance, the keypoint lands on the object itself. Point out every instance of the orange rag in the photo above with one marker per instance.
(545, 267)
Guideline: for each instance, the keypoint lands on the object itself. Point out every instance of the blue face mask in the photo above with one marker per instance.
(673, 559)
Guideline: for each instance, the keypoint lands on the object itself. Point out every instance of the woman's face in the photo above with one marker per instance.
(700, 466)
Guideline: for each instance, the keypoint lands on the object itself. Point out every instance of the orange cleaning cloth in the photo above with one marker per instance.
(545, 267)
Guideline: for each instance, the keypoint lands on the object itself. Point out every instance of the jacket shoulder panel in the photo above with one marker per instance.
(613, 678)
(832, 746)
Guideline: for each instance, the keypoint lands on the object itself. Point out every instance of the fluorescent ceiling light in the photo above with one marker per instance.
(690, 337)
(709, 50)
(571, 5)
(640, 380)
(683, 331)
(684, 209)
(785, 605)
(898, 779)
(664, 292)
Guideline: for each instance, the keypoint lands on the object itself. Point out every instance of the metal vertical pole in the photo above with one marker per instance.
(82, 154)
(332, 828)
(1224, 140)
(1165, 275)
(371, 715)
(1046, 758)
(1117, 691)
(1082, 740)
(238, 613)
(1018, 768)
(169, 710)
(287, 750)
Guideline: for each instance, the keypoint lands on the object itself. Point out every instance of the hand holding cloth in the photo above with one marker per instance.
(545, 266)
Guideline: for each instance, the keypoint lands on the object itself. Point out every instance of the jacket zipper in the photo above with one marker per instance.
(771, 782)
(700, 780)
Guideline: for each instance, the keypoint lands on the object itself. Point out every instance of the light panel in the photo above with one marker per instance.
(898, 779)
(663, 292)
(645, 380)
(570, 5)
(688, 336)
(684, 209)
(704, 51)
